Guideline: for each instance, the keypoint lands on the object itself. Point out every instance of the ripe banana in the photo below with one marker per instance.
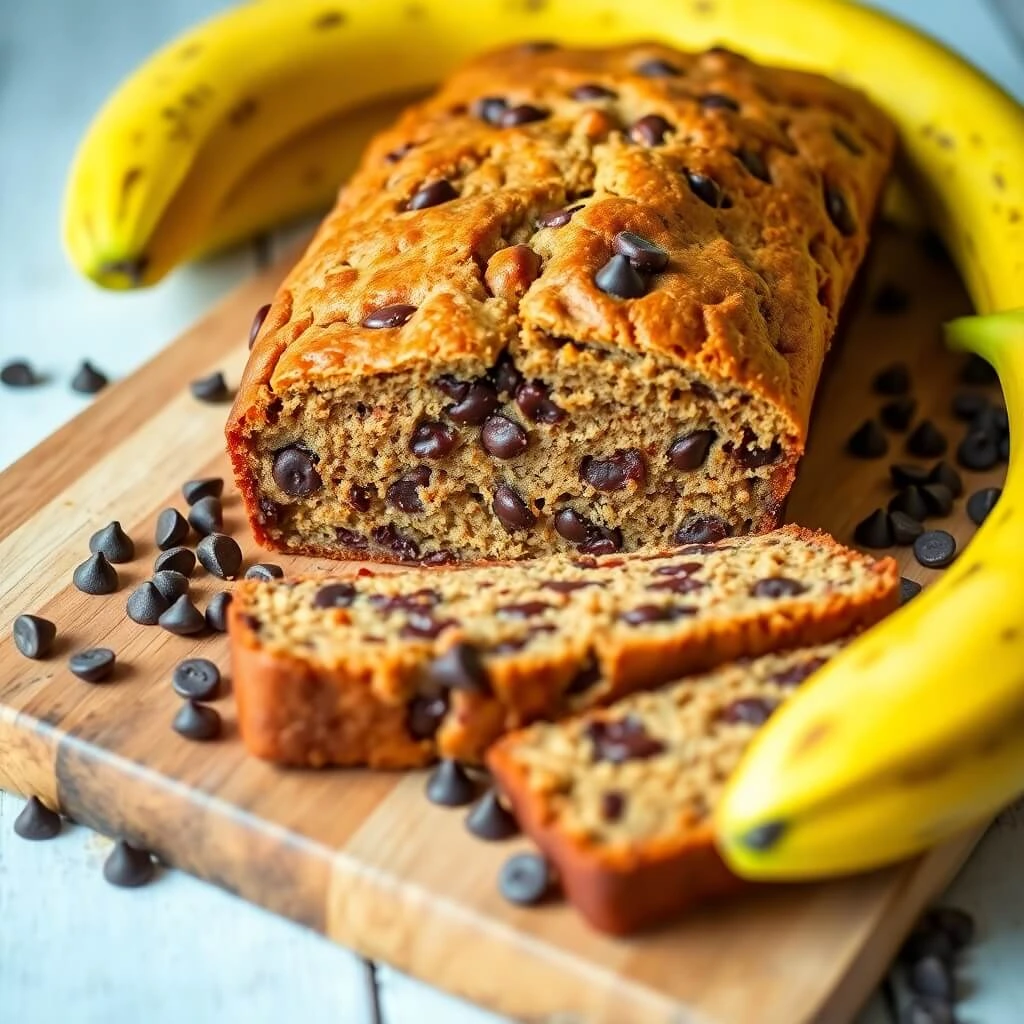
(916, 731)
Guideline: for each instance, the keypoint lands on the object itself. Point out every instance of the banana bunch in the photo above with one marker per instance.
(917, 730)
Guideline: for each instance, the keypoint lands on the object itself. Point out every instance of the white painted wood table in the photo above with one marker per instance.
(71, 947)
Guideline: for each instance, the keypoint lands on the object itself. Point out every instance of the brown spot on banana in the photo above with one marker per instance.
(998, 180)
(328, 20)
(243, 111)
(811, 738)
(190, 50)
(128, 182)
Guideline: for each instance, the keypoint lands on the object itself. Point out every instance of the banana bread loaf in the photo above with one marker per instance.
(620, 799)
(578, 300)
(394, 669)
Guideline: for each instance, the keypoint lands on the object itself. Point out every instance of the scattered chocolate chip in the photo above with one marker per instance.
(935, 549)
(981, 503)
(512, 512)
(868, 441)
(602, 541)
(534, 403)
(619, 740)
(36, 821)
(657, 68)
(898, 414)
(206, 516)
(19, 374)
(88, 380)
(94, 665)
(213, 388)
(434, 194)
(335, 595)
(264, 571)
(615, 472)
(96, 576)
(938, 499)
(524, 610)
(503, 438)
(569, 586)
(650, 130)
(777, 586)
(33, 635)
(798, 673)
(196, 679)
(691, 450)
(294, 472)
(128, 867)
(644, 255)
(749, 455)
(620, 279)
(706, 189)
(717, 101)
(702, 530)
(557, 218)
(207, 487)
(978, 452)
(930, 976)
(388, 317)
(113, 543)
(220, 555)
(968, 404)
(524, 879)
(425, 713)
(977, 371)
(907, 475)
(571, 526)
(909, 589)
(171, 528)
(905, 529)
(926, 441)
(644, 614)
(613, 805)
(889, 300)
(749, 711)
(440, 557)
(388, 536)
(171, 583)
(490, 820)
(911, 501)
(477, 403)
(197, 722)
(524, 113)
(257, 323)
(592, 91)
(489, 109)
(459, 668)
(754, 164)
(403, 493)
(875, 531)
(991, 420)
(183, 618)
(217, 611)
(179, 560)
(892, 380)
(839, 212)
(449, 785)
(432, 440)
(943, 473)
(146, 604)
(505, 375)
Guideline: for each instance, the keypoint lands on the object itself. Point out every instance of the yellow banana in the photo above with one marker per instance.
(916, 731)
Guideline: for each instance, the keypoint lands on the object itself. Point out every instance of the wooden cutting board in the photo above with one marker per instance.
(363, 857)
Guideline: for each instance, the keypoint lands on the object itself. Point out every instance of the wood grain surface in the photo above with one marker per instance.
(362, 857)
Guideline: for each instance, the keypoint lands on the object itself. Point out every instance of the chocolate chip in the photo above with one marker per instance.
(754, 164)
(911, 501)
(505, 375)
(207, 487)
(938, 499)
(749, 455)
(619, 740)
(197, 722)
(217, 611)
(943, 473)
(926, 441)
(449, 785)
(889, 300)
(503, 438)
(478, 402)
(690, 451)
(534, 403)
(571, 526)
(171, 528)
(749, 711)
(424, 715)
(432, 440)
(615, 472)
(892, 380)
(404, 547)
(875, 531)
(88, 380)
(220, 555)
(513, 513)
(171, 583)
(36, 821)
(557, 218)
(905, 529)
(569, 586)
(146, 604)
(717, 101)
(647, 257)
(459, 668)
(349, 538)
(334, 595)
(679, 569)
(706, 189)
(978, 452)
(592, 91)
(434, 194)
(403, 493)
(128, 867)
(977, 371)
(935, 549)
(33, 635)
(264, 571)
(196, 679)
(678, 585)
(524, 610)
(440, 557)
(648, 613)
(19, 374)
(489, 819)
(795, 675)
(702, 530)
(620, 279)
(906, 475)
(387, 317)
(525, 879)
(489, 109)
(777, 586)
(206, 516)
(839, 212)
(613, 805)
(898, 414)
(602, 541)
(182, 618)
(655, 67)
(967, 404)
(909, 589)
(294, 472)
(257, 323)
(992, 421)
(868, 441)
(179, 560)
(213, 388)
(113, 542)
(94, 665)
(524, 113)
(269, 511)
(981, 503)
(420, 624)
(96, 576)
(930, 976)
(650, 130)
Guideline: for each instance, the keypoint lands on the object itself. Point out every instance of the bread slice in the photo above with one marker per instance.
(578, 300)
(395, 669)
(620, 799)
